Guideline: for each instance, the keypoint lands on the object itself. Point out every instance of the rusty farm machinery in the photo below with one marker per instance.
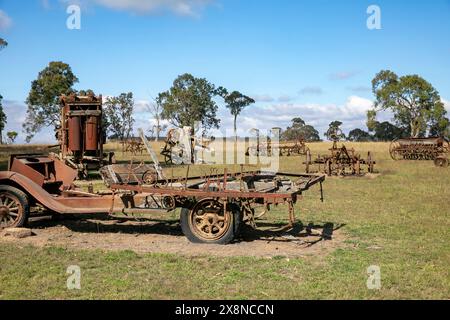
(182, 147)
(434, 149)
(133, 146)
(266, 147)
(212, 207)
(340, 161)
(81, 136)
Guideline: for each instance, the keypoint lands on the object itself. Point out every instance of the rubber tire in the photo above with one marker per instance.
(228, 237)
(23, 199)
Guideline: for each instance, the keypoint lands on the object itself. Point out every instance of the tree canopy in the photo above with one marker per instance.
(3, 43)
(359, 135)
(12, 135)
(415, 103)
(43, 99)
(333, 129)
(300, 130)
(235, 102)
(190, 100)
(386, 131)
(118, 112)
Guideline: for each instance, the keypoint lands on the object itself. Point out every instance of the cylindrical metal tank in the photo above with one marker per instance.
(91, 139)
(74, 124)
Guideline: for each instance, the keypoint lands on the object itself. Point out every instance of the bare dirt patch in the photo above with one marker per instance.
(162, 236)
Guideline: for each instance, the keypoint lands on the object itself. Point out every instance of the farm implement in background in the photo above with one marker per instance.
(267, 147)
(435, 149)
(341, 161)
(182, 147)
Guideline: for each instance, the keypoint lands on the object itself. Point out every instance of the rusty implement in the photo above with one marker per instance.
(287, 148)
(133, 146)
(435, 149)
(340, 161)
(268, 146)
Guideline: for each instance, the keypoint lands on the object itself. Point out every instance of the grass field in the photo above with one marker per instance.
(398, 220)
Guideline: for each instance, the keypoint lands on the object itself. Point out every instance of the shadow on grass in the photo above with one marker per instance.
(307, 235)
(108, 224)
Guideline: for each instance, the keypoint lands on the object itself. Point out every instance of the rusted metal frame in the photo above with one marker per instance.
(201, 193)
(203, 177)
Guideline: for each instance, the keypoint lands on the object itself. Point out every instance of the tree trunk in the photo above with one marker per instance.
(415, 129)
(235, 129)
(1, 137)
(157, 133)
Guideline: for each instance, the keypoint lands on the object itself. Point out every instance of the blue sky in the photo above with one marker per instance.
(313, 59)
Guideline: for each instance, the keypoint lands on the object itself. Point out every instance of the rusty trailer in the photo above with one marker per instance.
(212, 207)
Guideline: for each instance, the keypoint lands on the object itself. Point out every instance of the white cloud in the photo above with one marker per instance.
(360, 89)
(262, 98)
(179, 7)
(5, 21)
(264, 117)
(141, 106)
(311, 90)
(446, 104)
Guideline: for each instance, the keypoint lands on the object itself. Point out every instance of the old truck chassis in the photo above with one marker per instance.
(213, 207)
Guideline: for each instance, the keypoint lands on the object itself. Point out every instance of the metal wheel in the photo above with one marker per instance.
(209, 222)
(150, 177)
(14, 209)
(446, 147)
(169, 202)
(393, 150)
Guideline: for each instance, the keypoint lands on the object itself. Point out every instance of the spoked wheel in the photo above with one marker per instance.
(150, 177)
(14, 208)
(209, 222)
(393, 150)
